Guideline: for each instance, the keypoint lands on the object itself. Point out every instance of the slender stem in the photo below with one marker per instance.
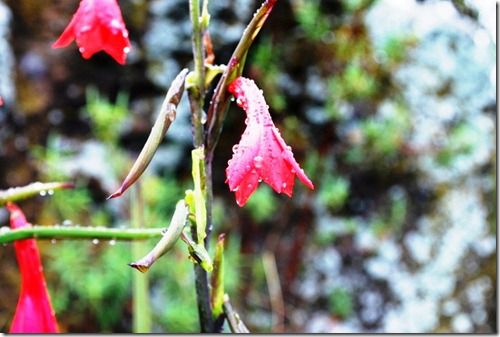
(197, 94)
(141, 310)
(77, 232)
(38, 188)
(196, 99)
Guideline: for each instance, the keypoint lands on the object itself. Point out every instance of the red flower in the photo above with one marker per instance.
(262, 154)
(97, 25)
(34, 312)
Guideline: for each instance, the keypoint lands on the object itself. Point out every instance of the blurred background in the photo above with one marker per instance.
(389, 106)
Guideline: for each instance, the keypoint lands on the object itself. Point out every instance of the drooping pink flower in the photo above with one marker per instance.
(262, 154)
(34, 313)
(97, 25)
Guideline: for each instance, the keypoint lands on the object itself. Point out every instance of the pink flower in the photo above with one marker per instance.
(97, 25)
(262, 154)
(34, 313)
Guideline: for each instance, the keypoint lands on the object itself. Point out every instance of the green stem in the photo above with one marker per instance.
(197, 94)
(196, 99)
(141, 311)
(77, 232)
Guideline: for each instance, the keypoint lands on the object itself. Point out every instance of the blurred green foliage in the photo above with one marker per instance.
(262, 204)
(106, 117)
(341, 303)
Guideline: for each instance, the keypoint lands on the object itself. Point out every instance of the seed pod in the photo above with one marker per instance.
(167, 241)
(160, 127)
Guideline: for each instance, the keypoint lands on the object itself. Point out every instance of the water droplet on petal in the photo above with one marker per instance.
(115, 23)
(85, 28)
(126, 50)
(236, 188)
(258, 161)
(95, 241)
(81, 50)
(284, 185)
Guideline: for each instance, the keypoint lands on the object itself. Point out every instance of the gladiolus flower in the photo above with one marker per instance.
(34, 313)
(97, 25)
(262, 154)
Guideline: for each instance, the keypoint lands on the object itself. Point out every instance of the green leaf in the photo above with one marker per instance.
(217, 280)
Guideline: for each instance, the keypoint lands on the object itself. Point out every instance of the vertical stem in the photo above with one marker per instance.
(141, 306)
(196, 100)
(197, 94)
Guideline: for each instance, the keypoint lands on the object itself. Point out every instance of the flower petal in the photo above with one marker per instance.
(34, 313)
(262, 154)
(97, 25)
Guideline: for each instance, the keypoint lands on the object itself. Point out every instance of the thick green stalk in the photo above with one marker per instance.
(77, 232)
(141, 311)
(196, 99)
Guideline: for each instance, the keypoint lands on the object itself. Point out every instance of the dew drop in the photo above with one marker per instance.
(115, 23)
(50, 192)
(53, 241)
(260, 180)
(126, 50)
(203, 119)
(4, 229)
(125, 34)
(112, 242)
(284, 185)
(236, 188)
(258, 161)
(81, 50)
(43, 193)
(95, 241)
(67, 222)
(85, 28)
